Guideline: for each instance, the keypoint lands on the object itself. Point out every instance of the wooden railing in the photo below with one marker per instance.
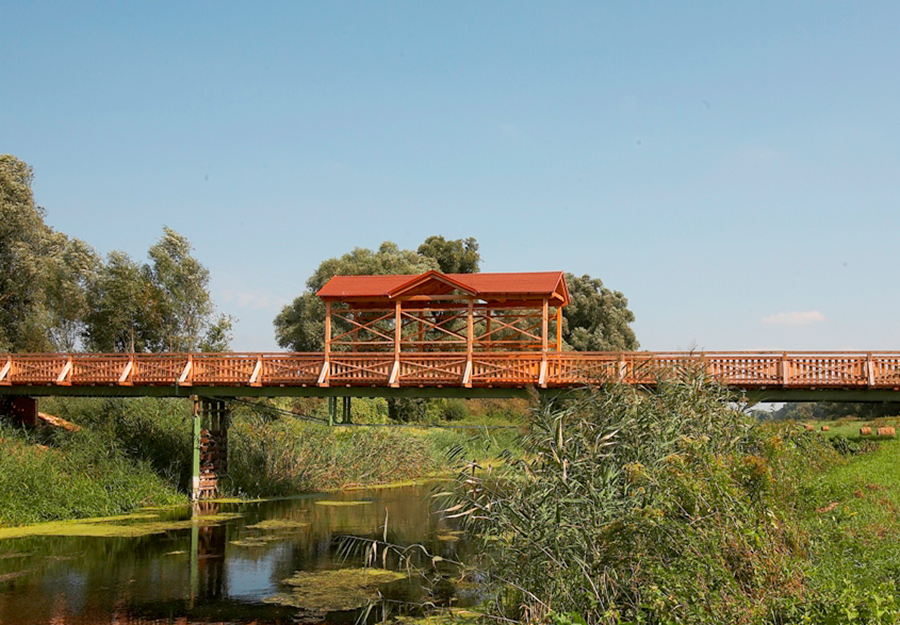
(745, 370)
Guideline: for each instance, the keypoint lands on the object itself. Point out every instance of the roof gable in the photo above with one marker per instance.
(491, 287)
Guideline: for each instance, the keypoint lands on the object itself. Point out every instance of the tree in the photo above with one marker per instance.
(43, 273)
(597, 319)
(161, 306)
(456, 256)
(123, 315)
(300, 326)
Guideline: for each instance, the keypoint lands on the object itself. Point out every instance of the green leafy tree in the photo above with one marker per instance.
(123, 315)
(301, 325)
(455, 256)
(597, 318)
(43, 273)
(161, 306)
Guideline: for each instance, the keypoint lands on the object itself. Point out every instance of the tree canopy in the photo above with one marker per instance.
(455, 256)
(300, 326)
(163, 305)
(597, 319)
(43, 273)
(57, 294)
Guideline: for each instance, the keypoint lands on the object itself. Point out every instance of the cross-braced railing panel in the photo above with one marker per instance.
(826, 370)
(885, 370)
(91, 369)
(360, 369)
(223, 368)
(506, 330)
(426, 330)
(158, 368)
(291, 369)
(369, 328)
(744, 369)
(432, 369)
(506, 369)
(571, 368)
(36, 368)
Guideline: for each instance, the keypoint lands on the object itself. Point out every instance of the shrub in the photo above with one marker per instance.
(662, 507)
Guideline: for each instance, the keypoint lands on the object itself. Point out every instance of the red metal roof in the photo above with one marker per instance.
(486, 286)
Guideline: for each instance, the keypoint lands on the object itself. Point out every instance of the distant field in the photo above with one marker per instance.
(849, 428)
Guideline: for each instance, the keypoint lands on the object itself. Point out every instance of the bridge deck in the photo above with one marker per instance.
(377, 373)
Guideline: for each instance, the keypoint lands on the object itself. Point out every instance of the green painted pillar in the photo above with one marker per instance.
(332, 410)
(345, 417)
(195, 465)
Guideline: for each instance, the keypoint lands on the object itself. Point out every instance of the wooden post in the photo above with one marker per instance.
(327, 330)
(559, 321)
(545, 330)
(545, 323)
(398, 326)
(398, 335)
(470, 330)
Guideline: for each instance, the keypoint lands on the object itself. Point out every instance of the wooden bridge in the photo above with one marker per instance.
(774, 376)
(430, 335)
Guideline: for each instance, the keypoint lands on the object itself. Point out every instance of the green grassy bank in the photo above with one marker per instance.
(131, 453)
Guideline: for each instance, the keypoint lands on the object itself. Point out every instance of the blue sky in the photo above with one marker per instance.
(732, 168)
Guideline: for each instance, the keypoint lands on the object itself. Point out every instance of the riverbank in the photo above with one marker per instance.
(132, 453)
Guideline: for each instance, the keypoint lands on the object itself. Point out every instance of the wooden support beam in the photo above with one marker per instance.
(4, 371)
(559, 323)
(125, 378)
(327, 332)
(545, 323)
(257, 370)
(394, 381)
(467, 375)
(183, 379)
(323, 374)
(64, 376)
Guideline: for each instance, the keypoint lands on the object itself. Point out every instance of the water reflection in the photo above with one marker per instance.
(220, 572)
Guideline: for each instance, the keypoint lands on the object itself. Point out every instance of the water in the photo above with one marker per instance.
(225, 571)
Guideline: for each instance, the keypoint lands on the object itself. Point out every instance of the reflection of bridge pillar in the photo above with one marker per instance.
(210, 463)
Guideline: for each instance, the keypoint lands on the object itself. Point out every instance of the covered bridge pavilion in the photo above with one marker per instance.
(436, 324)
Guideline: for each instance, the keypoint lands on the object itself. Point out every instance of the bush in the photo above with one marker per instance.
(663, 507)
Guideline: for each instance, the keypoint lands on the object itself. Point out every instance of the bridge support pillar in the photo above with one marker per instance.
(210, 462)
(22, 409)
(345, 417)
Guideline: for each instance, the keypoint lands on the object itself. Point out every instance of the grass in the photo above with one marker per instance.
(132, 453)
(81, 474)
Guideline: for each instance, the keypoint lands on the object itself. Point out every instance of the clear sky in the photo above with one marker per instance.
(732, 168)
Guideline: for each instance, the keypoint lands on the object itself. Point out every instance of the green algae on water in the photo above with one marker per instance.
(111, 527)
(278, 525)
(334, 591)
(339, 503)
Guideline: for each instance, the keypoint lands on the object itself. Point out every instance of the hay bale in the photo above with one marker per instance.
(865, 431)
(809, 428)
(825, 428)
(886, 431)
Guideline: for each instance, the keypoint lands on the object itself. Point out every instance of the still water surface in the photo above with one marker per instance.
(220, 570)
